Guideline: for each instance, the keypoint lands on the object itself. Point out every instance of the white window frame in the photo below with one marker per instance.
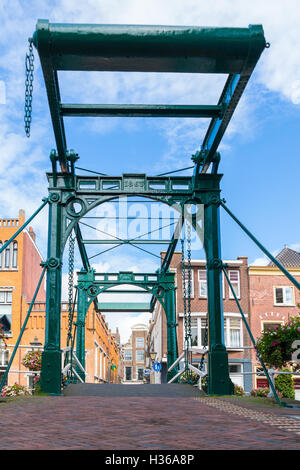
(284, 303)
(4, 353)
(136, 342)
(199, 328)
(136, 355)
(200, 281)
(227, 332)
(231, 296)
(126, 351)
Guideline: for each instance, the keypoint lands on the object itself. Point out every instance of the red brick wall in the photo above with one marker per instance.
(31, 270)
(263, 309)
(200, 304)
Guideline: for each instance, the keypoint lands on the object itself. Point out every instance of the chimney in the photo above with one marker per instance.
(21, 216)
(32, 234)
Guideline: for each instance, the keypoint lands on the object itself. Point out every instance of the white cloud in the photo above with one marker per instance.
(23, 162)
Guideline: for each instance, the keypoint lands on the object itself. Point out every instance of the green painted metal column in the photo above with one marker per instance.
(170, 310)
(80, 331)
(51, 357)
(219, 382)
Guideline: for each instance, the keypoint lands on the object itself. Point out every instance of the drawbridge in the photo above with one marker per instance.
(196, 199)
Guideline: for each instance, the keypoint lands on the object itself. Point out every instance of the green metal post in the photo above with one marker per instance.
(80, 332)
(51, 358)
(169, 303)
(219, 382)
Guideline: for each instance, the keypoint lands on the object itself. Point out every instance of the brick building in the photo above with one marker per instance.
(235, 334)
(134, 356)
(20, 271)
(273, 298)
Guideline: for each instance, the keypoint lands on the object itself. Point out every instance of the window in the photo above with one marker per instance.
(7, 256)
(140, 356)
(140, 373)
(284, 295)
(202, 283)
(198, 327)
(15, 255)
(187, 281)
(140, 342)
(6, 309)
(128, 373)
(1, 244)
(233, 332)
(272, 326)
(128, 355)
(234, 277)
(194, 330)
(4, 357)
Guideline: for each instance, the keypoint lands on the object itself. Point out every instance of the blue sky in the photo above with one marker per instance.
(259, 153)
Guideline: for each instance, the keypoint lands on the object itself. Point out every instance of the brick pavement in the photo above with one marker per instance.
(133, 423)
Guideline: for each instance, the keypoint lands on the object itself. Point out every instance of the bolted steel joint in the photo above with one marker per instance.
(213, 199)
(215, 263)
(54, 197)
(52, 263)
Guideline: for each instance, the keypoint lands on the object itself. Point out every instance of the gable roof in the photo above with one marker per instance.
(288, 258)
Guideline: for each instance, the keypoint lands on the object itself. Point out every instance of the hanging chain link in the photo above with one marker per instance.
(70, 285)
(186, 288)
(29, 68)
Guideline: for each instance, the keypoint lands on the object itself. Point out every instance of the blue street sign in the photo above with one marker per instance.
(147, 371)
(157, 366)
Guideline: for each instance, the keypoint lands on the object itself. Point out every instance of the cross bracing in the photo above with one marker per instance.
(128, 48)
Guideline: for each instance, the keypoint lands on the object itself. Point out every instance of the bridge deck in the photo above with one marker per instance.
(139, 390)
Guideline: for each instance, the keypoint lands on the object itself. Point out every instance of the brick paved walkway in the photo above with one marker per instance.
(135, 423)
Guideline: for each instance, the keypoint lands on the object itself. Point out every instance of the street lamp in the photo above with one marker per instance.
(153, 355)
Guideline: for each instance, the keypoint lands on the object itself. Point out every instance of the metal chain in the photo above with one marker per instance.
(186, 287)
(29, 68)
(70, 285)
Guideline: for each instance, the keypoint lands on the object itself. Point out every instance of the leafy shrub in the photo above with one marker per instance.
(259, 392)
(238, 390)
(190, 377)
(14, 390)
(33, 360)
(263, 392)
(275, 344)
(284, 384)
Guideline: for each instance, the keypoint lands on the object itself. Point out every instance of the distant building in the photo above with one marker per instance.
(134, 358)
(235, 335)
(20, 271)
(273, 299)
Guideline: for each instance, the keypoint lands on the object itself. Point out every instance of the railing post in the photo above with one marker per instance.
(80, 331)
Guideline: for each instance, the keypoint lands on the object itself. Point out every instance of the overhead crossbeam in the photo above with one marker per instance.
(142, 110)
(131, 48)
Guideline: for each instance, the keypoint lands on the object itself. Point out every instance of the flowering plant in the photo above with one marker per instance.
(14, 390)
(2, 334)
(275, 344)
(33, 360)
(238, 390)
(263, 392)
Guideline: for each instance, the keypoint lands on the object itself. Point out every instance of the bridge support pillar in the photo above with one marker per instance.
(219, 382)
(51, 357)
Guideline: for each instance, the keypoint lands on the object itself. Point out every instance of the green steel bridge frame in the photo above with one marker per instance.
(128, 48)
